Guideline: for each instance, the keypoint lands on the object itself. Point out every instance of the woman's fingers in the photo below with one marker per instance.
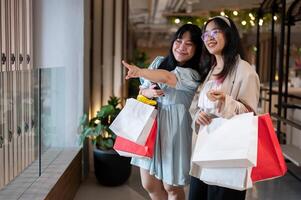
(158, 93)
(133, 70)
(152, 86)
(203, 119)
(210, 96)
(219, 95)
(214, 95)
(128, 66)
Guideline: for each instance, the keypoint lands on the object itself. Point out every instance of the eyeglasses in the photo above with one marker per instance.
(213, 33)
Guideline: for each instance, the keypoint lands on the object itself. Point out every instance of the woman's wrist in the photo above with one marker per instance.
(142, 92)
(140, 72)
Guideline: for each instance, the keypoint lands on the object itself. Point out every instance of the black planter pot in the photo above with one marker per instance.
(111, 169)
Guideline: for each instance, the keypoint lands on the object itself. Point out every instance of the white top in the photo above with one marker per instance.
(209, 107)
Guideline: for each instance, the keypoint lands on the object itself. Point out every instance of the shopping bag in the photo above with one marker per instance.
(134, 121)
(233, 178)
(128, 148)
(227, 142)
(270, 161)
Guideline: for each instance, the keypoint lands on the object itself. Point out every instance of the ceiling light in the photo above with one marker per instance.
(177, 20)
(235, 13)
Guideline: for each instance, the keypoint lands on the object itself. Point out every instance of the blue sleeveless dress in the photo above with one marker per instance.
(171, 160)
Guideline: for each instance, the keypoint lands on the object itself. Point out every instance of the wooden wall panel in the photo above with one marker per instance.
(109, 33)
(19, 84)
(1, 106)
(118, 76)
(108, 49)
(30, 79)
(5, 50)
(22, 62)
(97, 59)
(16, 89)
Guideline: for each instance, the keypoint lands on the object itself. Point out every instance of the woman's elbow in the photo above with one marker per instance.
(171, 80)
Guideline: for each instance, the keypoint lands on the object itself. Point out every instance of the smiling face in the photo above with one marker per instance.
(183, 48)
(214, 39)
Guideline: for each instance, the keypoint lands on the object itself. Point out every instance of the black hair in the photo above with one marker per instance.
(231, 51)
(169, 62)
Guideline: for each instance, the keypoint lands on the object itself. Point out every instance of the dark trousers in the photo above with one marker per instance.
(202, 191)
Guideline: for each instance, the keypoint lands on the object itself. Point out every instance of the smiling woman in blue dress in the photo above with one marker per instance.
(178, 76)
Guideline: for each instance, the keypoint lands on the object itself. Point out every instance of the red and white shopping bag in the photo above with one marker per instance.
(270, 161)
(134, 121)
(128, 148)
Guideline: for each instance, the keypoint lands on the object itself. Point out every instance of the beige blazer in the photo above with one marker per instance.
(242, 95)
(242, 92)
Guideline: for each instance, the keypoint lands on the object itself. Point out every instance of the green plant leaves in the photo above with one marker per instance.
(83, 119)
(105, 111)
(97, 128)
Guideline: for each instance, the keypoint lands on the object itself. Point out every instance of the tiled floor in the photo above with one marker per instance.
(285, 188)
(90, 189)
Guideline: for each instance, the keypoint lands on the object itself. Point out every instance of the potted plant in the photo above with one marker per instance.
(110, 168)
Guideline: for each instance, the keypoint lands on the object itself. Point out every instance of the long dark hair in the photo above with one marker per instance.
(232, 48)
(169, 63)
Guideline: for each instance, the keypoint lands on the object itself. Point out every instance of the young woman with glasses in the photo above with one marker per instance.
(178, 75)
(230, 88)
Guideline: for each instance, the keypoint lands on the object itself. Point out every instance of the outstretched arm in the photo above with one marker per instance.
(157, 75)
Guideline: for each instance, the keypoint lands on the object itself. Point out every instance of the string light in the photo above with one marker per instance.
(251, 16)
(246, 19)
(260, 22)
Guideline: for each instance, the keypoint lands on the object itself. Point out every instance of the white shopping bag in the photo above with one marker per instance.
(134, 121)
(228, 142)
(233, 178)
